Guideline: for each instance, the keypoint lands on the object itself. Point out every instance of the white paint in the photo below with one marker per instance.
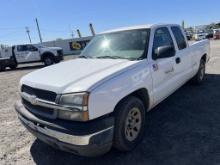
(110, 80)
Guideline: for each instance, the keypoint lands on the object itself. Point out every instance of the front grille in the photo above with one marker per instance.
(41, 94)
(38, 110)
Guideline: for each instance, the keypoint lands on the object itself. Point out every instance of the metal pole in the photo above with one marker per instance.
(28, 33)
(38, 28)
(92, 29)
(79, 34)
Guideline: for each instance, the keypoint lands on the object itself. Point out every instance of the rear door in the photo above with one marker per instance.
(163, 67)
(183, 67)
(21, 53)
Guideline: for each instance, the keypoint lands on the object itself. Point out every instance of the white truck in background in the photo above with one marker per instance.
(200, 36)
(29, 53)
(87, 105)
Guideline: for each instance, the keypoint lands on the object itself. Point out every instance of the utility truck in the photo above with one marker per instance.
(100, 100)
(20, 54)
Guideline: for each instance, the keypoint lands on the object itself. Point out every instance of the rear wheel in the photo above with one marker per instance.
(48, 60)
(199, 77)
(2, 68)
(129, 124)
(13, 67)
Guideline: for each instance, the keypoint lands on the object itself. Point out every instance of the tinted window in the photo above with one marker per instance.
(162, 37)
(21, 48)
(31, 48)
(181, 42)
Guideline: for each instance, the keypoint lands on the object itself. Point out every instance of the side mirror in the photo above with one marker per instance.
(35, 49)
(164, 52)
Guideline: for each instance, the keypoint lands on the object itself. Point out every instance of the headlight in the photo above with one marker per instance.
(77, 104)
(76, 99)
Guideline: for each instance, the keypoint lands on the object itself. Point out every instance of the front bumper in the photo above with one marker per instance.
(58, 58)
(87, 139)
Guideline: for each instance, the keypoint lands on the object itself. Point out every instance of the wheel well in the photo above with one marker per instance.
(47, 54)
(142, 94)
(204, 57)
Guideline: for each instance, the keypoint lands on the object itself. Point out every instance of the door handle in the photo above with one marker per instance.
(178, 60)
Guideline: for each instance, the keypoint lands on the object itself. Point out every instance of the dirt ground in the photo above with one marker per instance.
(182, 130)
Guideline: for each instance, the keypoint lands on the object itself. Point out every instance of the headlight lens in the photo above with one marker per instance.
(76, 99)
(78, 105)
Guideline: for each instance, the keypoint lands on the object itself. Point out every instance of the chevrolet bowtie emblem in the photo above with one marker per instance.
(33, 99)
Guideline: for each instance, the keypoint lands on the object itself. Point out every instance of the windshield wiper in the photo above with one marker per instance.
(83, 56)
(111, 57)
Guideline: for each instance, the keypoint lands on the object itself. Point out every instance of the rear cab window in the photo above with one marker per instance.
(179, 37)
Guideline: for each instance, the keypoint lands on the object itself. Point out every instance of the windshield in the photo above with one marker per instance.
(119, 45)
(39, 46)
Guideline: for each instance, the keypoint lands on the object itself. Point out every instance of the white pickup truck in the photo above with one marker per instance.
(87, 105)
(20, 54)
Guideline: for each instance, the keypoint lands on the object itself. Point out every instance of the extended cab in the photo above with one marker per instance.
(20, 54)
(100, 100)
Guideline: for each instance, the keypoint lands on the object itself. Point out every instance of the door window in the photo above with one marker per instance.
(21, 48)
(163, 45)
(31, 48)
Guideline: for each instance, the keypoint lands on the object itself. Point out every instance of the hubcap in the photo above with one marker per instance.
(133, 124)
(48, 61)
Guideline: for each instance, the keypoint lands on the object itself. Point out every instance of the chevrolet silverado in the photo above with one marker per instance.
(100, 100)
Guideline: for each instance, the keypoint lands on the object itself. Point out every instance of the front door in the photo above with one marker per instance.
(163, 64)
(33, 53)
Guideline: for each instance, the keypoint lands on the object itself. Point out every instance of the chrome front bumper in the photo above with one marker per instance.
(66, 138)
(91, 144)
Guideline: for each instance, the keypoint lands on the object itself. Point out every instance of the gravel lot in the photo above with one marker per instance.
(183, 130)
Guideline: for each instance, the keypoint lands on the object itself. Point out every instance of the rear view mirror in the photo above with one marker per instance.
(164, 52)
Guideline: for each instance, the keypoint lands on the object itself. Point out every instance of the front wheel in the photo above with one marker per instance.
(200, 75)
(48, 60)
(129, 124)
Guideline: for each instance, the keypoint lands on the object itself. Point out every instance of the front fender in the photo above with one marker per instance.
(106, 96)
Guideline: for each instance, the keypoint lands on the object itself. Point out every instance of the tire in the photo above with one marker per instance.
(2, 68)
(124, 140)
(200, 75)
(12, 67)
(48, 60)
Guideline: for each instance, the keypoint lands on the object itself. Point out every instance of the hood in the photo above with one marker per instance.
(75, 75)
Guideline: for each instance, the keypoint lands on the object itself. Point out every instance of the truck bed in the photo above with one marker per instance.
(200, 47)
